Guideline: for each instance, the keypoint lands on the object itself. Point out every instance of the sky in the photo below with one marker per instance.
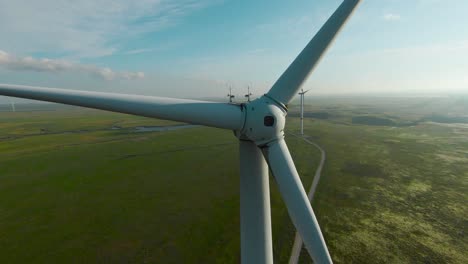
(188, 48)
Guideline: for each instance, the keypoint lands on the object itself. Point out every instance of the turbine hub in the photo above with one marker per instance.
(264, 121)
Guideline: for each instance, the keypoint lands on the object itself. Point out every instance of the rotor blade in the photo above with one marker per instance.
(256, 239)
(299, 208)
(291, 80)
(228, 116)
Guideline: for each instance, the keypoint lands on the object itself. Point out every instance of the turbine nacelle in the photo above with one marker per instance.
(264, 121)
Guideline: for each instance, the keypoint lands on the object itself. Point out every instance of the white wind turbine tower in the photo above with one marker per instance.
(302, 93)
(248, 94)
(259, 126)
(13, 109)
(230, 95)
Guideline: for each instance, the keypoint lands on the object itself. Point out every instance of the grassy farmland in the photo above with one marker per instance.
(74, 190)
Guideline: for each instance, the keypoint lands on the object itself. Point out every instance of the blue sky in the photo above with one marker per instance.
(187, 48)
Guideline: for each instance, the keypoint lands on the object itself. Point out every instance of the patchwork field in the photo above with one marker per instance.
(82, 186)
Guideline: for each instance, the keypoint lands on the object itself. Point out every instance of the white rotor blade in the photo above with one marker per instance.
(291, 80)
(256, 244)
(221, 115)
(293, 193)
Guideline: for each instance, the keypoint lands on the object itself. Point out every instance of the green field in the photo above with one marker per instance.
(73, 190)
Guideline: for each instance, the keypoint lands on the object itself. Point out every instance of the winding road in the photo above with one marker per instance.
(296, 250)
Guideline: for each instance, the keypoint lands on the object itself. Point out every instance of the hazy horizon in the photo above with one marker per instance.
(309, 98)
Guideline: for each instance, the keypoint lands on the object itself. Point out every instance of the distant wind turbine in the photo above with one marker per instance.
(302, 93)
(230, 95)
(259, 126)
(13, 109)
(248, 94)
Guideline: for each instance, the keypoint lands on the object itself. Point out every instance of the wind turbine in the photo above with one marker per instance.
(248, 94)
(230, 95)
(13, 109)
(259, 126)
(302, 110)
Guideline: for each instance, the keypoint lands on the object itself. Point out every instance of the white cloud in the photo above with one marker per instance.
(85, 28)
(14, 63)
(391, 17)
(138, 51)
